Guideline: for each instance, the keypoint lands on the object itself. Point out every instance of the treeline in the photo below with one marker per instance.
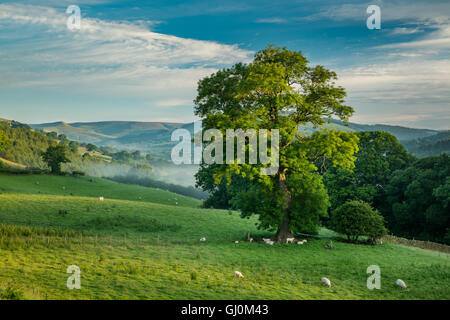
(149, 182)
(430, 146)
(22, 145)
(413, 195)
(26, 147)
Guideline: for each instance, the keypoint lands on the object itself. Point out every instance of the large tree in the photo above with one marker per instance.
(279, 90)
(419, 200)
(54, 156)
(379, 155)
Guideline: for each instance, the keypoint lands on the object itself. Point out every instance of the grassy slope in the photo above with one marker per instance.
(90, 187)
(147, 250)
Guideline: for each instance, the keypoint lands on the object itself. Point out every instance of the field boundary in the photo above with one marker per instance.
(428, 245)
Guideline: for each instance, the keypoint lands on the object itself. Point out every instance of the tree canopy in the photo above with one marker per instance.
(356, 218)
(419, 200)
(55, 156)
(279, 90)
(4, 141)
(379, 155)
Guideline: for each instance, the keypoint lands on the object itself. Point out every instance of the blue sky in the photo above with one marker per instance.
(141, 60)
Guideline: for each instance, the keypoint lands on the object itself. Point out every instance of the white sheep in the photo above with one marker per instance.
(304, 240)
(300, 242)
(251, 239)
(101, 198)
(203, 239)
(265, 239)
(326, 282)
(238, 274)
(236, 241)
(270, 242)
(401, 283)
(290, 240)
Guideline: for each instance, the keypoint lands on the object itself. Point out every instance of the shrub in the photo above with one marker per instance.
(357, 218)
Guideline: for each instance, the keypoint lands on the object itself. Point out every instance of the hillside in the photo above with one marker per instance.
(155, 136)
(401, 133)
(430, 146)
(91, 187)
(131, 249)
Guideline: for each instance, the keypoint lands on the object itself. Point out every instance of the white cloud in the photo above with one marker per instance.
(104, 58)
(411, 92)
(393, 10)
(411, 81)
(102, 52)
(402, 31)
(271, 20)
(173, 102)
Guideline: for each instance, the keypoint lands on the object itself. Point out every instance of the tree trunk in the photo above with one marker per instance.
(284, 230)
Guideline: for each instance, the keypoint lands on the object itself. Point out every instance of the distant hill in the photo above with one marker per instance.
(402, 133)
(155, 136)
(430, 146)
(130, 135)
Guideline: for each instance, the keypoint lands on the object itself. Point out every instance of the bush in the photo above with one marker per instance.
(357, 218)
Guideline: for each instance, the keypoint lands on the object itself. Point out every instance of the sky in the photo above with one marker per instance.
(141, 60)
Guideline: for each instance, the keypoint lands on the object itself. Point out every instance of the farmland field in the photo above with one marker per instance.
(143, 243)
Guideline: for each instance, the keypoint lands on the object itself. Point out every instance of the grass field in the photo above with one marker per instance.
(148, 248)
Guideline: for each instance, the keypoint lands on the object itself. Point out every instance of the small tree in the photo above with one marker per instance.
(4, 141)
(73, 145)
(357, 218)
(54, 156)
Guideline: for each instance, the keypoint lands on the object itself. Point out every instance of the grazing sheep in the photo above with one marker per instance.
(401, 283)
(101, 198)
(236, 241)
(270, 242)
(326, 282)
(300, 242)
(238, 274)
(290, 240)
(251, 239)
(203, 239)
(265, 239)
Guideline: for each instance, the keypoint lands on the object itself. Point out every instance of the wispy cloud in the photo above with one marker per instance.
(393, 10)
(402, 31)
(411, 92)
(271, 20)
(110, 58)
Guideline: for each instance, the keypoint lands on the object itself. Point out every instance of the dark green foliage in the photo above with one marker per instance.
(222, 193)
(4, 141)
(430, 146)
(74, 145)
(357, 218)
(55, 156)
(379, 155)
(418, 199)
(26, 145)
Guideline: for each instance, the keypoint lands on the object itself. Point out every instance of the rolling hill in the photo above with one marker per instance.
(128, 248)
(155, 136)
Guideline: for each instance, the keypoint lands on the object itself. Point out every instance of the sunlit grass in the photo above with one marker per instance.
(143, 250)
